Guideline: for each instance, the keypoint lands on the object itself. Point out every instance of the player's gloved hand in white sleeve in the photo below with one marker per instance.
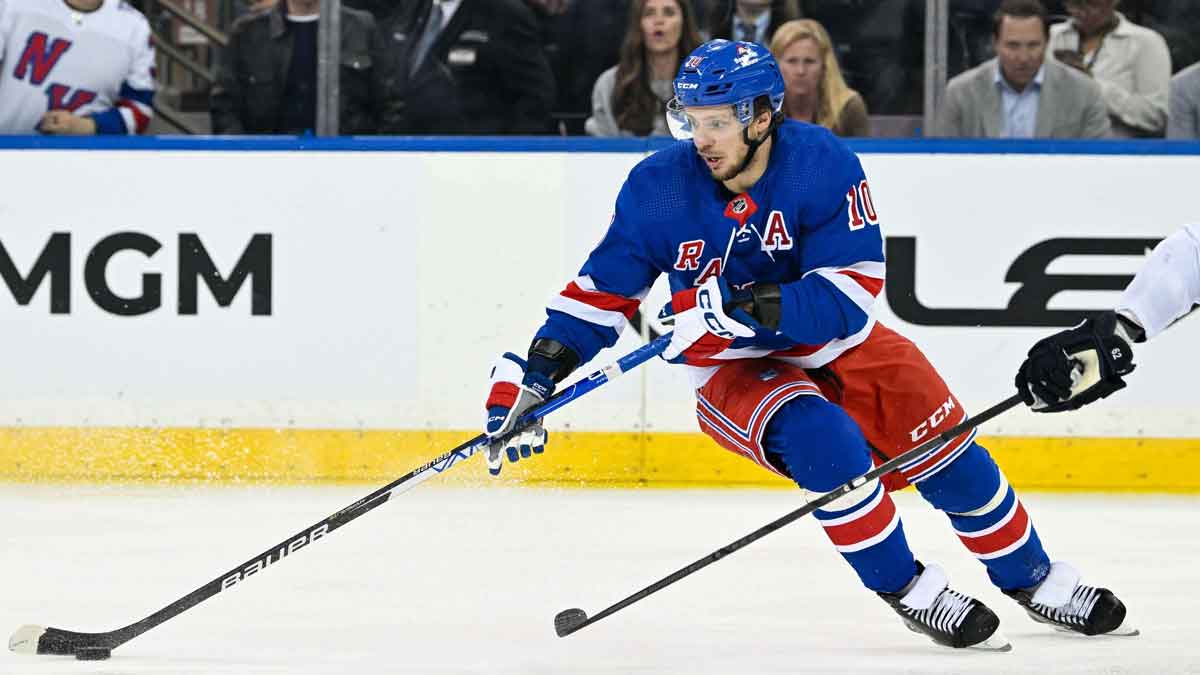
(1077, 366)
(702, 326)
(513, 392)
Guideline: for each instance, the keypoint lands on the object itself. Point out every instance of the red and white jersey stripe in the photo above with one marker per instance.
(582, 300)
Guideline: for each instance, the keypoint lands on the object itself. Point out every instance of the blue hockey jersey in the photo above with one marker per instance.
(808, 224)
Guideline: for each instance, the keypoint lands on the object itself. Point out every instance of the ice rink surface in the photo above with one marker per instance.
(443, 581)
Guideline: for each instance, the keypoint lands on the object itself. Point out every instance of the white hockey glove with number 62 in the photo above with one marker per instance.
(702, 328)
(513, 393)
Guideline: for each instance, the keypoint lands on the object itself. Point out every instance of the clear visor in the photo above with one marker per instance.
(715, 122)
(677, 121)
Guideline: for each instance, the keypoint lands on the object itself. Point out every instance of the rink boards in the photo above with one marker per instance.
(292, 311)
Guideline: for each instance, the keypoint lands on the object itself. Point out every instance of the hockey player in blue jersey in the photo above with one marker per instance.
(770, 240)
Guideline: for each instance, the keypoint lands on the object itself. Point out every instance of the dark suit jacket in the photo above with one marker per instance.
(247, 96)
(485, 74)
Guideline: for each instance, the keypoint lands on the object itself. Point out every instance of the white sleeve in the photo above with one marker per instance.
(1168, 285)
(137, 91)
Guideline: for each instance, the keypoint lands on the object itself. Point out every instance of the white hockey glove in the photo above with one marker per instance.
(702, 328)
(513, 392)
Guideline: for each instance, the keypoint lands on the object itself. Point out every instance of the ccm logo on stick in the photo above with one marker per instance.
(194, 264)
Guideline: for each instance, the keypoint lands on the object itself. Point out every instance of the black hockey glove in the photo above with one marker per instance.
(1071, 369)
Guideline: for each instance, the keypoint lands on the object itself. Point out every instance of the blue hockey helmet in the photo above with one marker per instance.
(723, 72)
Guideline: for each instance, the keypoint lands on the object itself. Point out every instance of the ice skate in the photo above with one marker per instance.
(1061, 601)
(948, 617)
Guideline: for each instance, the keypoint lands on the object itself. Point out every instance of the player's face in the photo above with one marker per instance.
(662, 25)
(717, 135)
(802, 68)
(1020, 47)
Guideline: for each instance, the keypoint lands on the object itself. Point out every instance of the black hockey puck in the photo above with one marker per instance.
(92, 653)
(569, 620)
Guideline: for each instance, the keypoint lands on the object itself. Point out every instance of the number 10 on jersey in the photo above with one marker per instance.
(861, 208)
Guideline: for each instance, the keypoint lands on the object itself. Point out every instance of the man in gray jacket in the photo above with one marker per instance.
(1184, 119)
(1021, 94)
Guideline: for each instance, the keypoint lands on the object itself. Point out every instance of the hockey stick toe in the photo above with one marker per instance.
(25, 639)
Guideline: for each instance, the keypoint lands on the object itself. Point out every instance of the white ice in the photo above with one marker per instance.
(443, 581)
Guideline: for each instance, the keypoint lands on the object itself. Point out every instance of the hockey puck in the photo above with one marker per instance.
(92, 653)
(569, 620)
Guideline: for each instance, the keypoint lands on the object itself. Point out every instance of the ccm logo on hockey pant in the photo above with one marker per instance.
(935, 418)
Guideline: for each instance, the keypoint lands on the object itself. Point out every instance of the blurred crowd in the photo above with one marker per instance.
(1080, 68)
(1020, 68)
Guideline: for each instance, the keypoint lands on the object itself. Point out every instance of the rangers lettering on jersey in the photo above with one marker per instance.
(689, 255)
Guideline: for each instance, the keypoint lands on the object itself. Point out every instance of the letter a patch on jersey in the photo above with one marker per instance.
(40, 57)
(775, 234)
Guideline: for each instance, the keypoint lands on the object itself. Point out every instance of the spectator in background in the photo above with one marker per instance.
(881, 49)
(584, 41)
(750, 20)
(1131, 63)
(74, 67)
(630, 98)
(483, 56)
(816, 91)
(1020, 93)
(551, 7)
(1183, 120)
(267, 80)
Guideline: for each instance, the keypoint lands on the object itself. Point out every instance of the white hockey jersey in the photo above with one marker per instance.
(53, 57)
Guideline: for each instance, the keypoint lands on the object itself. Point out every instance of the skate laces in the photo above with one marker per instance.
(1078, 608)
(946, 613)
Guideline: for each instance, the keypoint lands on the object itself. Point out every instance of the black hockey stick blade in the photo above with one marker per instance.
(569, 621)
(31, 639)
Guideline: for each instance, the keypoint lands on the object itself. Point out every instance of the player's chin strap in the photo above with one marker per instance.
(776, 120)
